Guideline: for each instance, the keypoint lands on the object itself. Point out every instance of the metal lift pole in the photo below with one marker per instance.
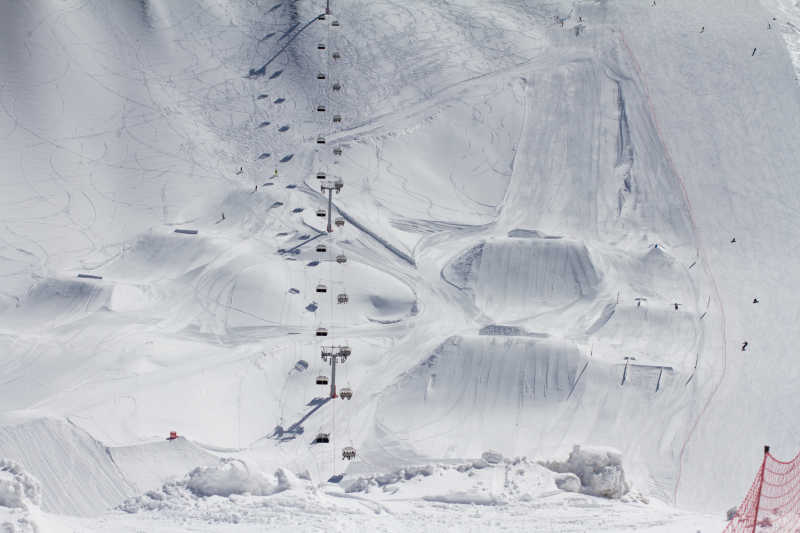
(330, 204)
(327, 7)
(333, 376)
(330, 187)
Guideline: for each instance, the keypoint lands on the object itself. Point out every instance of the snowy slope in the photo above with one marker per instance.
(538, 205)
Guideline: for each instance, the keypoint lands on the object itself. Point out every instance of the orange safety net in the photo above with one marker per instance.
(773, 501)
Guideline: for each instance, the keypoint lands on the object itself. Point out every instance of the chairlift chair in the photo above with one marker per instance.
(345, 351)
(337, 86)
(322, 380)
(342, 298)
(322, 248)
(322, 288)
(349, 453)
(335, 23)
(336, 55)
(322, 438)
(337, 151)
(321, 213)
(339, 221)
(321, 46)
(321, 108)
(321, 175)
(346, 393)
(321, 76)
(322, 332)
(341, 259)
(337, 118)
(321, 17)
(320, 140)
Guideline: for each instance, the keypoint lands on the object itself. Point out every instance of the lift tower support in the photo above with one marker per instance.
(334, 354)
(330, 187)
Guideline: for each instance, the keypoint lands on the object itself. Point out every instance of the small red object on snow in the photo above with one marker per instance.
(172, 435)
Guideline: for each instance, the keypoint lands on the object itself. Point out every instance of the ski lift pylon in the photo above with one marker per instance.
(345, 351)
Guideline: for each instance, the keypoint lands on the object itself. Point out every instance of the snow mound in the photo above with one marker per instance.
(511, 278)
(60, 300)
(229, 492)
(232, 476)
(490, 480)
(599, 470)
(17, 487)
(154, 256)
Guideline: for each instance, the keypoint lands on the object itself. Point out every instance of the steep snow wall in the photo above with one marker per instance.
(76, 473)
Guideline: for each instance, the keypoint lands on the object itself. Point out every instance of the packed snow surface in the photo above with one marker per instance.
(565, 237)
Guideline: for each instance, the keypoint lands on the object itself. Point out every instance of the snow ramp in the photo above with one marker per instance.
(76, 472)
(57, 302)
(515, 278)
(473, 389)
(148, 466)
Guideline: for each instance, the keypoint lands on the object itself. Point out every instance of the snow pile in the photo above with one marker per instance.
(20, 494)
(230, 492)
(17, 487)
(363, 484)
(230, 479)
(490, 480)
(232, 476)
(599, 470)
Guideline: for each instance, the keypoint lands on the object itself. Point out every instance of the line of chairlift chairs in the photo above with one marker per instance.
(346, 393)
(341, 258)
(348, 452)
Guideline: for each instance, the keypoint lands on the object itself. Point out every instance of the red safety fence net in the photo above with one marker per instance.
(773, 501)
